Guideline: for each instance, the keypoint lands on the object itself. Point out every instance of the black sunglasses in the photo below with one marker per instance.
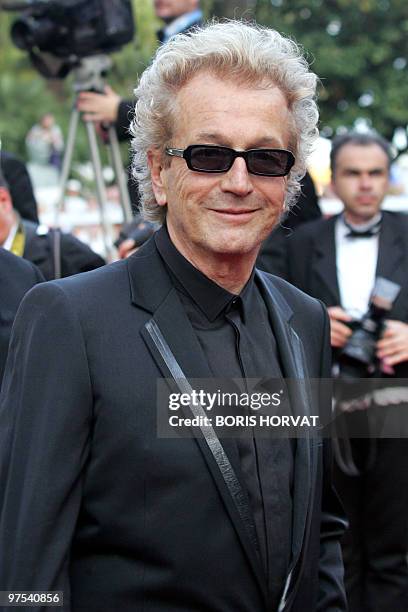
(212, 158)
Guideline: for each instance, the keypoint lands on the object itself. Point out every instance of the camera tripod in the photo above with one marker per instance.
(89, 77)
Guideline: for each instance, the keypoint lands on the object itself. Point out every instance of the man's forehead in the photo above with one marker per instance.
(226, 112)
(361, 156)
(361, 153)
(207, 93)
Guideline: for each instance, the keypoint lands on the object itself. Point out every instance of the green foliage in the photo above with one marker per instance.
(25, 95)
(359, 49)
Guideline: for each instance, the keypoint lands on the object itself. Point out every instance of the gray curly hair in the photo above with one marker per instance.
(241, 52)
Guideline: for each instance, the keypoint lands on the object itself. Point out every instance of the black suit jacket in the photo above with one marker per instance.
(16, 278)
(76, 256)
(97, 505)
(311, 262)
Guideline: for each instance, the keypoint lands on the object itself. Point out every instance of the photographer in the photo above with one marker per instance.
(108, 107)
(338, 260)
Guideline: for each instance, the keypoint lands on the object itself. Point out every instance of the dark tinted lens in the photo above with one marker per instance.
(267, 161)
(210, 159)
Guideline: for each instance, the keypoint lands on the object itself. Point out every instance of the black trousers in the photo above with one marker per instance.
(375, 546)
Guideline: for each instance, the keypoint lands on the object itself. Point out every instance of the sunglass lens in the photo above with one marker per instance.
(269, 162)
(210, 159)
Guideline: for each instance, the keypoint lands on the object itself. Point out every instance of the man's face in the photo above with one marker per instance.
(230, 213)
(361, 180)
(170, 9)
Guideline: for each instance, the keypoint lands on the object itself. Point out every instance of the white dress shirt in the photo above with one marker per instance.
(356, 263)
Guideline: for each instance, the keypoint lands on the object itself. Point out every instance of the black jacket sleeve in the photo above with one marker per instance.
(45, 429)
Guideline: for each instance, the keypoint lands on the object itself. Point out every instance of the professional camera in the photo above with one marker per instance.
(59, 33)
(357, 359)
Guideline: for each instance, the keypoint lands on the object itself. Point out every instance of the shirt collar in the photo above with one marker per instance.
(212, 299)
(180, 24)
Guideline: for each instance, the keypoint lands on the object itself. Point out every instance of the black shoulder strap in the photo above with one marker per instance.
(227, 471)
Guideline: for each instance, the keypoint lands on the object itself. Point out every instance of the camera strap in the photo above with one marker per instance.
(234, 486)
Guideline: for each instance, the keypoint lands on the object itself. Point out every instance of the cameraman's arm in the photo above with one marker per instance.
(339, 332)
(392, 349)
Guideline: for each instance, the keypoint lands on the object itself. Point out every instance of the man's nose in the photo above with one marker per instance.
(365, 181)
(237, 180)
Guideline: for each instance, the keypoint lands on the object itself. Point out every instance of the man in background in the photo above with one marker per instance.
(108, 107)
(337, 261)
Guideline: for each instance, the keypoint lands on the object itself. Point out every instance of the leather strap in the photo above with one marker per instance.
(227, 471)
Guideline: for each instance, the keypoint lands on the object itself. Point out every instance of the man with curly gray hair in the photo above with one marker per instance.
(251, 58)
(132, 516)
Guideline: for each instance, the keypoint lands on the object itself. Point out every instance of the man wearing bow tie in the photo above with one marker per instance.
(337, 261)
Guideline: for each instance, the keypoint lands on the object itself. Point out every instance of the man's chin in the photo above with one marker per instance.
(234, 246)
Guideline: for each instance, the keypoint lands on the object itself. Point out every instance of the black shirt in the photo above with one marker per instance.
(235, 334)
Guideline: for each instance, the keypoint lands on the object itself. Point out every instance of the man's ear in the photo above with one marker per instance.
(154, 159)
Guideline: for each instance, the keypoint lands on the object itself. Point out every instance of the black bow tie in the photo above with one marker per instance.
(367, 233)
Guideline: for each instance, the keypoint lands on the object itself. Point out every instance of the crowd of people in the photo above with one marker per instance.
(211, 285)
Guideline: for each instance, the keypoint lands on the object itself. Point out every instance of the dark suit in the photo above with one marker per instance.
(16, 278)
(20, 186)
(149, 521)
(76, 256)
(377, 502)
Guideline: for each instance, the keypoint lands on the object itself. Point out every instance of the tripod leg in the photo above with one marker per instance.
(120, 174)
(100, 186)
(67, 161)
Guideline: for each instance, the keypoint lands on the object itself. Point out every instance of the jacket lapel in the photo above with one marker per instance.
(324, 262)
(391, 250)
(294, 368)
(152, 290)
